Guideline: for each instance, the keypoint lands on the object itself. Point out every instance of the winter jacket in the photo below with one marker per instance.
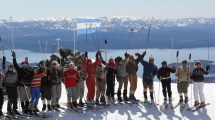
(70, 78)
(45, 82)
(150, 70)
(111, 73)
(132, 68)
(183, 74)
(11, 79)
(198, 74)
(82, 73)
(121, 69)
(24, 75)
(164, 72)
(100, 73)
(55, 76)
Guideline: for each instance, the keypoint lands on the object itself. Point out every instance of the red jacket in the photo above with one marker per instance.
(70, 78)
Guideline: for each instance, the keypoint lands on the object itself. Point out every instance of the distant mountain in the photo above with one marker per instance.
(185, 33)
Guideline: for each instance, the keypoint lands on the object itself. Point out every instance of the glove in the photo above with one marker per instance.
(143, 55)
(4, 59)
(13, 54)
(208, 68)
(138, 56)
(127, 55)
(86, 54)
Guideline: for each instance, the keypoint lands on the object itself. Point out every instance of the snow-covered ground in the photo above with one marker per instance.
(140, 112)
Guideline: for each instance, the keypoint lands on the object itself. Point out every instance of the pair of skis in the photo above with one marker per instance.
(196, 108)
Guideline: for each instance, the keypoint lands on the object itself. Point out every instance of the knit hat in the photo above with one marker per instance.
(164, 63)
(151, 58)
(198, 63)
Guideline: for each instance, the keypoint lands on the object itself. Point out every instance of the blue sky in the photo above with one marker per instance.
(29, 9)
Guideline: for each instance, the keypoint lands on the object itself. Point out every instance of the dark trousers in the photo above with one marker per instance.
(110, 87)
(12, 98)
(166, 85)
(46, 92)
(1, 98)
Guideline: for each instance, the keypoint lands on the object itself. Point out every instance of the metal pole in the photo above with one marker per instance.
(11, 20)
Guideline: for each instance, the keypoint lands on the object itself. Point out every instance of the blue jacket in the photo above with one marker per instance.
(149, 70)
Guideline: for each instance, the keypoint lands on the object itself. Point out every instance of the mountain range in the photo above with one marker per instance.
(164, 33)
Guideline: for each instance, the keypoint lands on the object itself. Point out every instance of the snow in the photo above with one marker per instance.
(140, 112)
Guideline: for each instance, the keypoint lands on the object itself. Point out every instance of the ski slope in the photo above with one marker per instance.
(139, 111)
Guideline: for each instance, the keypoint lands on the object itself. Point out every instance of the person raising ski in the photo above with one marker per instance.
(122, 76)
(198, 85)
(71, 77)
(11, 79)
(183, 74)
(150, 70)
(165, 79)
(131, 68)
(25, 76)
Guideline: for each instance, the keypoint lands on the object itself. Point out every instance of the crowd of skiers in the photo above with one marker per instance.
(43, 80)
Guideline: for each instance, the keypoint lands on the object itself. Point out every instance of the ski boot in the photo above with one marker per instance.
(202, 104)
(119, 96)
(125, 98)
(44, 107)
(49, 107)
(186, 100)
(181, 99)
(16, 112)
(196, 103)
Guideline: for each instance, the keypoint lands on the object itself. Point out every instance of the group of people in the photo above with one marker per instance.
(29, 83)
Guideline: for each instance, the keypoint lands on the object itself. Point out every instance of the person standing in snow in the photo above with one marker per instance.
(25, 76)
(165, 79)
(11, 79)
(35, 89)
(81, 83)
(46, 86)
(90, 68)
(183, 74)
(198, 85)
(2, 88)
(131, 68)
(110, 79)
(55, 75)
(71, 77)
(150, 70)
(122, 76)
(100, 83)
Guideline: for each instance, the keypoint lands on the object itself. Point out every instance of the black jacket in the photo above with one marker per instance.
(24, 75)
(165, 72)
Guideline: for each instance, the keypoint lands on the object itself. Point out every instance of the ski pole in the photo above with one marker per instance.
(141, 35)
(148, 37)
(191, 81)
(131, 30)
(158, 92)
(2, 46)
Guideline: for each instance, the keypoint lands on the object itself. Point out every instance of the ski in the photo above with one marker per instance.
(11, 117)
(199, 107)
(175, 106)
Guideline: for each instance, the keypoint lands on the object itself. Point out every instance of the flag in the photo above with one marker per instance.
(89, 25)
